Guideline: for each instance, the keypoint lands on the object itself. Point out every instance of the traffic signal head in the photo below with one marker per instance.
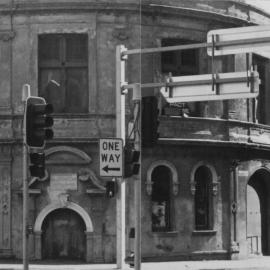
(37, 164)
(132, 158)
(149, 121)
(38, 122)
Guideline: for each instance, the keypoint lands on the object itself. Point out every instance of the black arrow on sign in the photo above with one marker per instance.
(107, 168)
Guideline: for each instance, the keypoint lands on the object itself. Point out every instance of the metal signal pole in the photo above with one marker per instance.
(137, 178)
(25, 95)
(120, 133)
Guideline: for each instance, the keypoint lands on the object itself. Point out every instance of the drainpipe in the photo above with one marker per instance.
(234, 246)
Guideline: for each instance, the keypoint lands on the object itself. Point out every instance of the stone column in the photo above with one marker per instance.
(38, 247)
(89, 246)
(5, 207)
(234, 246)
(97, 251)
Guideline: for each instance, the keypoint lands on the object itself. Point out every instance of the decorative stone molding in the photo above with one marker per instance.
(76, 30)
(64, 199)
(266, 164)
(234, 207)
(215, 178)
(121, 34)
(234, 248)
(5, 154)
(175, 181)
(215, 188)
(149, 187)
(71, 205)
(257, 168)
(192, 188)
(85, 174)
(234, 164)
(34, 179)
(83, 158)
(46, 177)
(5, 194)
(6, 36)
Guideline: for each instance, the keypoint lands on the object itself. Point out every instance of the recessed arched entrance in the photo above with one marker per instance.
(63, 236)
(40, 226)
(258, 213)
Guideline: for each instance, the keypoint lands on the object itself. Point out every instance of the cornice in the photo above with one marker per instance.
(194, 13)
(67, 7)
(229, 11)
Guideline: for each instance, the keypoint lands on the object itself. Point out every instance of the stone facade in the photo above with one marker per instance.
(232, 152)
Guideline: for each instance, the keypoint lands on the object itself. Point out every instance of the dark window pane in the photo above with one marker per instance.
(77, 94)
(189, 58)
(179, 62)
(202, 198)
(161, 178)
(63, 71)
(52, 88)
(49, 48)
(76, 48)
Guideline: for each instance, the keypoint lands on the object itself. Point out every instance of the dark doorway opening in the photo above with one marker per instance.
(63, 236)
(258, 218)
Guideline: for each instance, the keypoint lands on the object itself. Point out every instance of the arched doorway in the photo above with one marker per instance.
(63, 236)
(258, 218)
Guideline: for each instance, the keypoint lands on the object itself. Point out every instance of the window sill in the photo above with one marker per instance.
(166, 234)
(204, 232)
(81, 115)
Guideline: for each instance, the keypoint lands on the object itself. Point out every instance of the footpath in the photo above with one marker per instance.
(259, 263)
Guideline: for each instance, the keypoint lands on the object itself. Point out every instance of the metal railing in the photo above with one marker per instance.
(254, 244)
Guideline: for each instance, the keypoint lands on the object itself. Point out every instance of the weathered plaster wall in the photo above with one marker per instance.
(183, 242)
(107, 24)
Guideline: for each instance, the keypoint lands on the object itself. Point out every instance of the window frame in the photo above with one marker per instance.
(213, 193)
(64, 65)
(205, 185)
(191, 109)
(178, 56)
(169, 209)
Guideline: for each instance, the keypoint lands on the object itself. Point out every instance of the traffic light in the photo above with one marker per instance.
(131, 157)
(149, 121)
(37, 164)
(38, 122)
(110, 189)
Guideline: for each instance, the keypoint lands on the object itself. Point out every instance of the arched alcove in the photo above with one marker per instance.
(175, 180)
(68, 205)
(259, 235)
(213, 173)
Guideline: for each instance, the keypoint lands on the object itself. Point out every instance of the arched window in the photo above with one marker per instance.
(161, 199)
(203, 198)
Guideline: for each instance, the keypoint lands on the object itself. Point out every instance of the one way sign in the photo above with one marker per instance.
(111, 157)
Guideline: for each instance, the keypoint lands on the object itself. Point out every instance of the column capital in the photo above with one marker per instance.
(234, 164)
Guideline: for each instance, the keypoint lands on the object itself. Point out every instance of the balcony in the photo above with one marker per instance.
(215, 132)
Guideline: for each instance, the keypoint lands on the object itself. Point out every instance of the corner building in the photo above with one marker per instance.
(205, 183)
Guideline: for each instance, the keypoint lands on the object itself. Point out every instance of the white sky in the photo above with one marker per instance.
(262, 4)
